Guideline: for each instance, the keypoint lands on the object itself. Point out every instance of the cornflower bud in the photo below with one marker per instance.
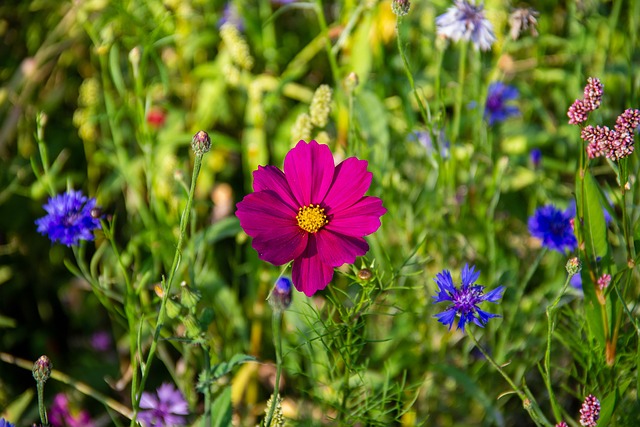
(280, 297)
(42, 369)
(573, 266)
(201, 143)
(400, 7)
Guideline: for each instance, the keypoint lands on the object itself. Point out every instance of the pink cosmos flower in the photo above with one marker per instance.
(314, 213)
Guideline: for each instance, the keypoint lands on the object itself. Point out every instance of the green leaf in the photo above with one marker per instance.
(607, 407)
(591, 214)
(221, 409)
(221, 369)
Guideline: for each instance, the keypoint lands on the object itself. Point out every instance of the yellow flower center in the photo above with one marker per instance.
(311, 218)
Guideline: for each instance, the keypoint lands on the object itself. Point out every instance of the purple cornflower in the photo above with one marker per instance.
(590, 411)
(496, 109)
(5, 423)
(69, 218)
(553, 227)
(61, 415)
(424, 138)
(466, 21)
(166, 408)
(579, 111)
(464, 301)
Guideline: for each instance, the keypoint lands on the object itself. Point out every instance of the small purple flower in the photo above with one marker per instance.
(553, 227)
(5, 423)
(579, 111)
(101, 341)
(466, 21)
(231, 15)
(280, 298)
(166, 408)
(424, 138)
(590, 411)
(497, 108)
(464, 301)
(616, 143)
(69, 218)
(536, 157)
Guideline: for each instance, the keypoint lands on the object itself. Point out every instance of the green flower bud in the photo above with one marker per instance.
(192, 326)
(42, 369)
(400, 7)
(189, 297)
(573, 266)
(173, 308)
(201, 143)
(365, 274)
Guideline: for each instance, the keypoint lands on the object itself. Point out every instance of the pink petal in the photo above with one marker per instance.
(351, 180)
(272, 178)
(273, 226)
(309, 274)
(309, 171)
(337, 249)
(359, 219)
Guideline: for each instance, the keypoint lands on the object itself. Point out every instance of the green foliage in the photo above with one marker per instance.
(104, 96)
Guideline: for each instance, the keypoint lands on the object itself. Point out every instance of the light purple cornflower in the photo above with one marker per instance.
(590, 411)
(424, 138)
(497, 108)
(231, 15)
(466, 21)
(5, 423)
(69, 218)
(464, 301)
(165, 408)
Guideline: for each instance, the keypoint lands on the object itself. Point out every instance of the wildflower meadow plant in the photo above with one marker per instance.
(466, 21)
(314, 214)
(344, 168)
(463, 301)
(554, 228)
(70, 218)
(164, 408)
(497, 108)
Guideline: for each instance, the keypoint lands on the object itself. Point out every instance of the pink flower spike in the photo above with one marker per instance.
(315, 214)
(590, 411)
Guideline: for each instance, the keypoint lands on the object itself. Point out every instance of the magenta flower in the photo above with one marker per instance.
(61, 414)
(315, 213)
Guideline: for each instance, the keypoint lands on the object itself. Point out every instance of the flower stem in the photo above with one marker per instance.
(551, 323)
(166, 288)
(457, 106)
(276, 325)
(528, 402)
(41, 408)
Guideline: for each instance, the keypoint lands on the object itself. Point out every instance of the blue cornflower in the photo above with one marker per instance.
(5, 423)
(69, 218)
(496, 109)
(554, 228)
(466, 21)
(536, 157)
(464, 301)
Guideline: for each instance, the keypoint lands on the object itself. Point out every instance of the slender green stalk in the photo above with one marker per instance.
(166, 288)
(206, 418)
(457, 106)
(324, 29)
(551, 323)
(529, 404)
(276, 324)
(41, 407)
